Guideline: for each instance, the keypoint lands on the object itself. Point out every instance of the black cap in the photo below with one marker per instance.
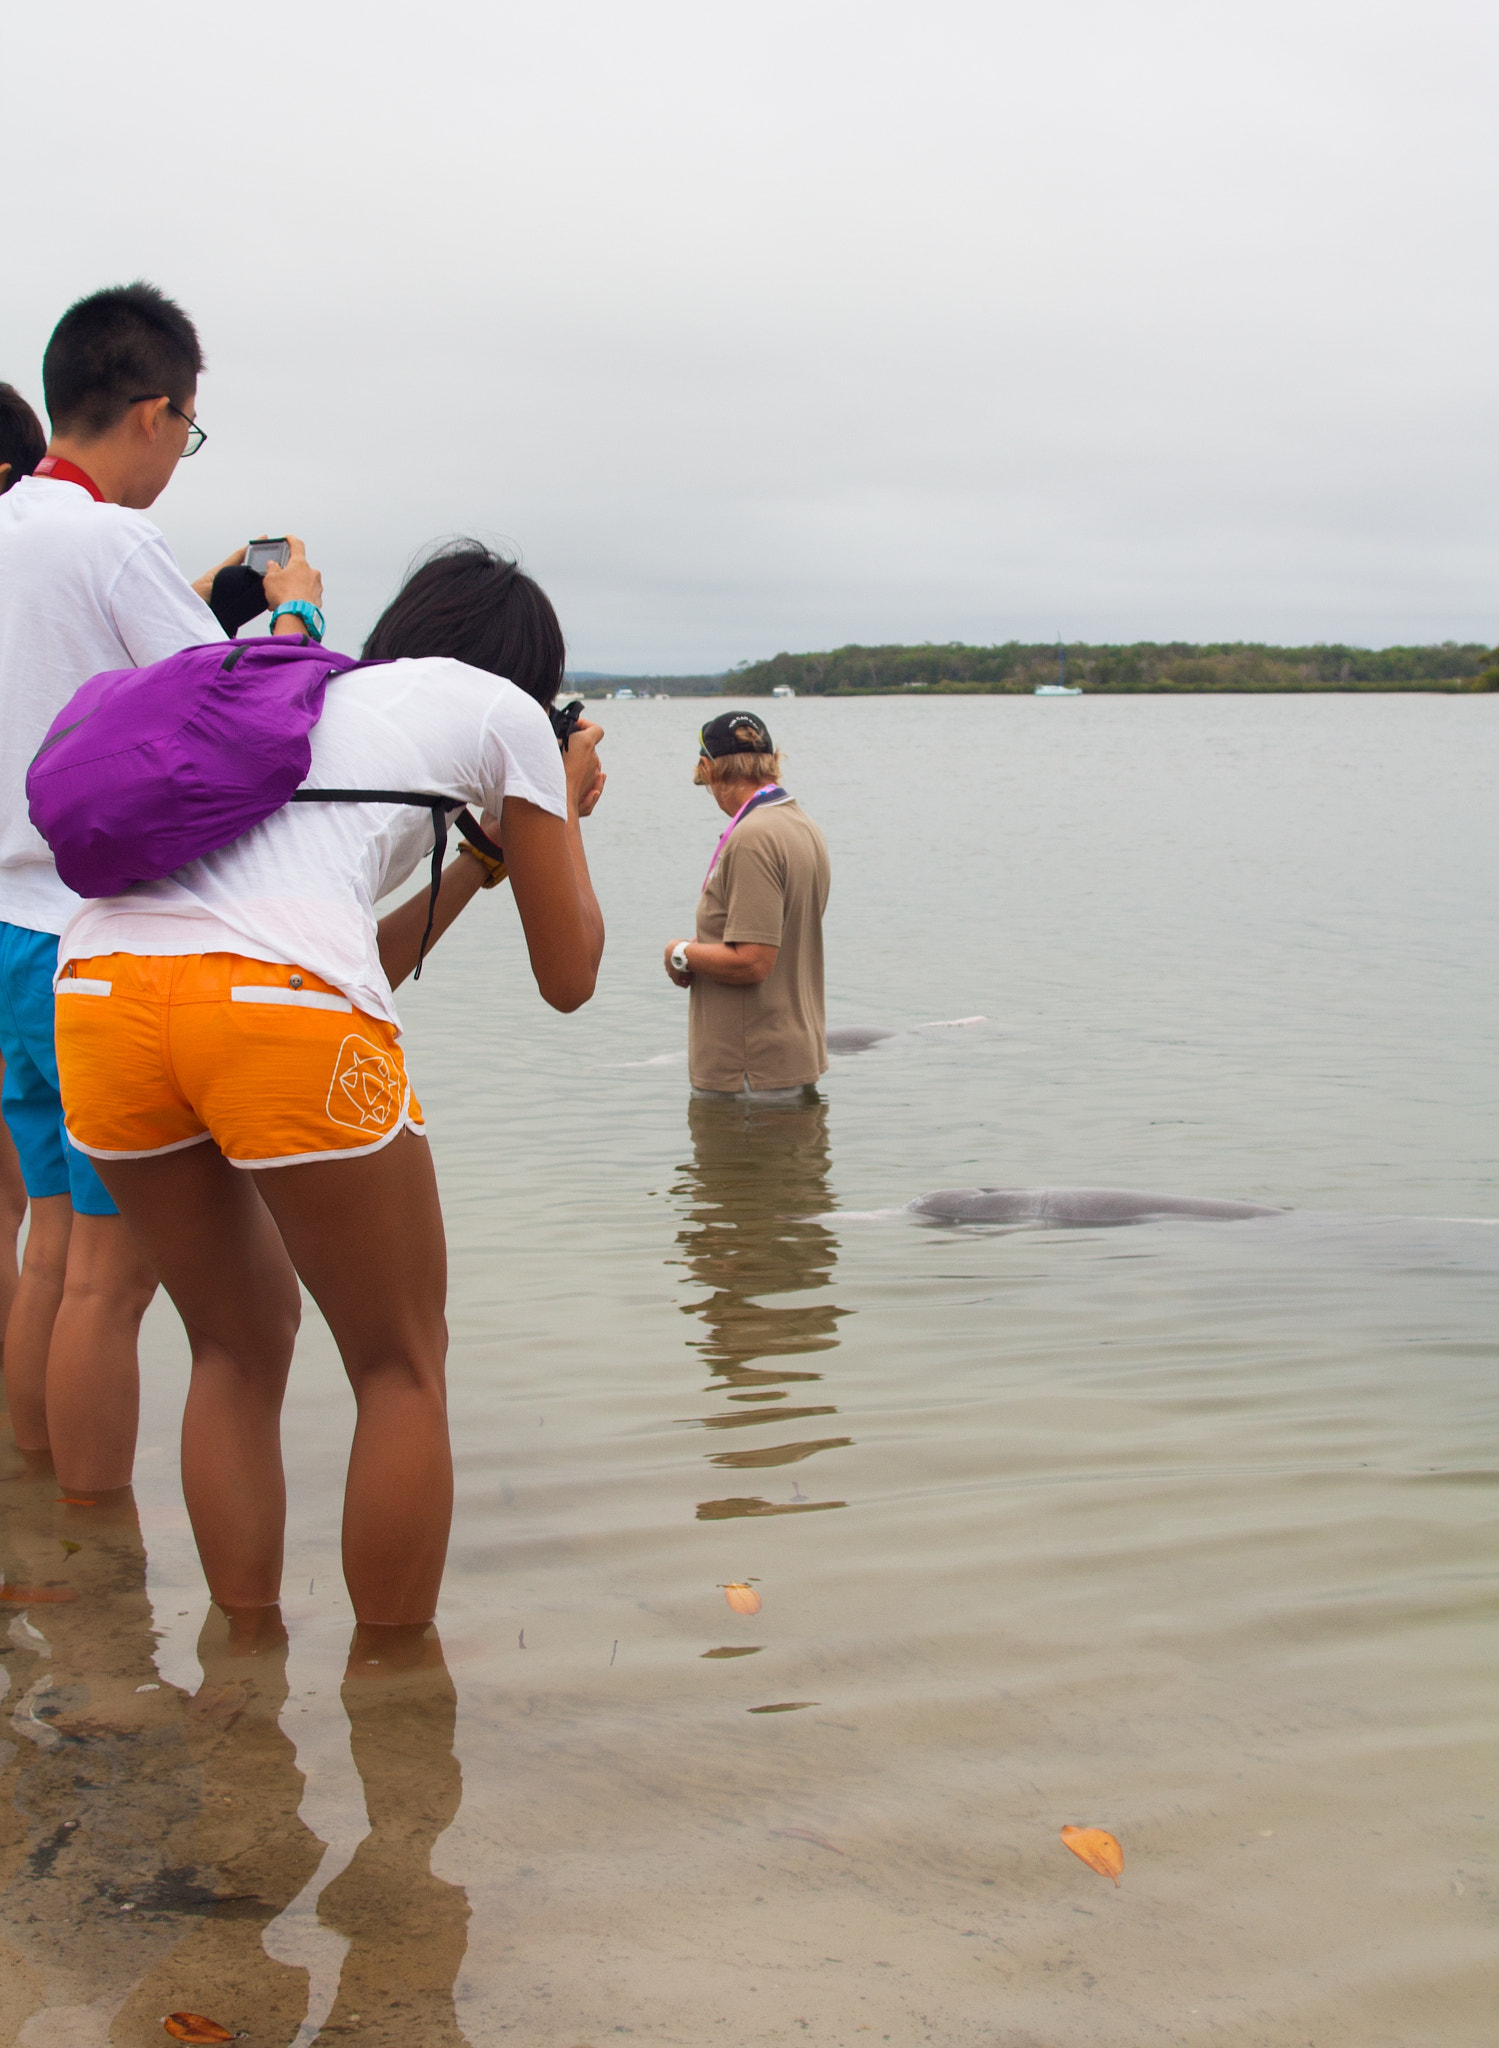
(735, 732)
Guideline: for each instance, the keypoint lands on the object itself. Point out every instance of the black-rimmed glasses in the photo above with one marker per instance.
(195, 434)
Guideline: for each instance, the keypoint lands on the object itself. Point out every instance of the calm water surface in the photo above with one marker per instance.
(1184, 1531)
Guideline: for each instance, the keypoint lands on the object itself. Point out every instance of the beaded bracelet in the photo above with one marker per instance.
(495, 870)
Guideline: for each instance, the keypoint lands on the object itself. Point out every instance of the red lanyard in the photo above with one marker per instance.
(62, 471)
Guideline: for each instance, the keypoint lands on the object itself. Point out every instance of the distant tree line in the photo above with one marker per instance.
(1016, 668)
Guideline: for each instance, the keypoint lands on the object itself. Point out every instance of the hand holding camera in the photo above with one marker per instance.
(258, 577)
(288, 578)
(580, 761)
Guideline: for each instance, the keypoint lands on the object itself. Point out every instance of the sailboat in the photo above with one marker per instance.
(1061, 687)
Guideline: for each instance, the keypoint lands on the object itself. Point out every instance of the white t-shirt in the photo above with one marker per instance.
(301, 889)
(83, 587)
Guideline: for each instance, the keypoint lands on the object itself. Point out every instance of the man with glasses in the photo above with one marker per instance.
(86, 584)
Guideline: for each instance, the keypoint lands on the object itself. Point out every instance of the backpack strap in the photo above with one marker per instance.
(439, 806)
(476, 836)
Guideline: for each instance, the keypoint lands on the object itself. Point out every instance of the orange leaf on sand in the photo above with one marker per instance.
(743, 1599)
(191, 2026)
(1097, 1848)
(35, 1596)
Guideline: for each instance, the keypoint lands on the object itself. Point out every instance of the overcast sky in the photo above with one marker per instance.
(812, 322)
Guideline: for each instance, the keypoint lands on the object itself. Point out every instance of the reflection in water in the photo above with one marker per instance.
(757, 1181)
(247, 1835)
(101, 1871)
(756, 1415)
(148, 1838)
(407, 1929)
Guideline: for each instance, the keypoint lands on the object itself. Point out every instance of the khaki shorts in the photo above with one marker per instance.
(272, 1063)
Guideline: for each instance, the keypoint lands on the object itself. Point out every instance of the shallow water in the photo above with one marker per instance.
(1181, 1530)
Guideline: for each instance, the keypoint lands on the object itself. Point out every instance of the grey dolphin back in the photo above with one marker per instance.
(1073, 1206)
(856, 1037)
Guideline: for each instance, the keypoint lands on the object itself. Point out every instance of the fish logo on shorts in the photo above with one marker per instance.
(366, 1090)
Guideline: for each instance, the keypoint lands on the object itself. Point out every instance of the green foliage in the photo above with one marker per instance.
(1488, 678)
(1016, 668)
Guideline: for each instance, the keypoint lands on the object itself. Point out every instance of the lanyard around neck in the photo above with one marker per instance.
(62, 471)
(768, 793)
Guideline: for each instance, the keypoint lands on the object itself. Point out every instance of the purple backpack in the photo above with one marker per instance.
(145, 769)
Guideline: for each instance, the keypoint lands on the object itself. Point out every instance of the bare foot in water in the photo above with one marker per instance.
(382, 1650)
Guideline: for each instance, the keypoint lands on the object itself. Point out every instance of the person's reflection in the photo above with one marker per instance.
(407, 1928)
(147, 1838)
(252, 1853)
(755, 1188)
(99, 1867)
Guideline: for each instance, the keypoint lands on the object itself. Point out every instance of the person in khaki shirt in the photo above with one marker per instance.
(755, 1021)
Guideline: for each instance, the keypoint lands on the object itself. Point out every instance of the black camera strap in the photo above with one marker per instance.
(439, 806)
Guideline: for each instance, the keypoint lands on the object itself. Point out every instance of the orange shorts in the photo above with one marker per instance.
(272, 1063)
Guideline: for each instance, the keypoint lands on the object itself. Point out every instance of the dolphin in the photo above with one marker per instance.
(860, 1037)
(1074, 1206)
(856, 1037)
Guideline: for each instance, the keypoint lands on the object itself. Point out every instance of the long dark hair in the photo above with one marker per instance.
(470, 603)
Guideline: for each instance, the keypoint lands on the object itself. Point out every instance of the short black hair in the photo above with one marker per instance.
(114, 346)
(470, 603)
(22, 442)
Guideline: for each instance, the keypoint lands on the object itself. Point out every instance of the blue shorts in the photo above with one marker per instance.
(50, 1163)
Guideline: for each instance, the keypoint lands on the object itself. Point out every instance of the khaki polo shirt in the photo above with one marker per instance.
(770, 888)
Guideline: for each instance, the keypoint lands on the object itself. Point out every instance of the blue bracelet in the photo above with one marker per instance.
(309, 614)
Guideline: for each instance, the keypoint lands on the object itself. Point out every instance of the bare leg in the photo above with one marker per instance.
(12, 1214)
(93, 1370)
(222, 1262)
(28, 1329)
(366, 1236)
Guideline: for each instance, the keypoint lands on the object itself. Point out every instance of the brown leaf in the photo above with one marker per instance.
(69, 1547)
(191, 2026)
(737, 1650)
(35, 1596)
(784, 1707)
(1097, 1848)
(742, 1598)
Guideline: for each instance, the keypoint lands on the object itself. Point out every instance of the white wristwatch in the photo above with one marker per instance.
(679, 957)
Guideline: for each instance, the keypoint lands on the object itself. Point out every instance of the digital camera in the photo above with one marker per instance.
(565, 722)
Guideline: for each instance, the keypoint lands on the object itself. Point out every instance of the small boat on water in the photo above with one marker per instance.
(783, 690)
(625, 695)
(1061, 687)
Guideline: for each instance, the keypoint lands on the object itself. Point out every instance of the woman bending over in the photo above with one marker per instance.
(229, 1056)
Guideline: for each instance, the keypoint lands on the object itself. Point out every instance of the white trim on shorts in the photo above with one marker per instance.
(80, 985)
(156, 1152)
(304, 998)
(405, 1122)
